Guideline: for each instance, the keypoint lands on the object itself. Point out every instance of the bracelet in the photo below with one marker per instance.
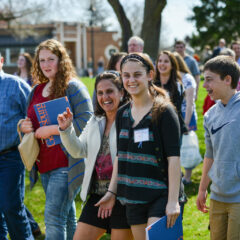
(112, 192)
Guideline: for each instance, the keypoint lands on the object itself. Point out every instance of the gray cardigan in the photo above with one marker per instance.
(81, 107)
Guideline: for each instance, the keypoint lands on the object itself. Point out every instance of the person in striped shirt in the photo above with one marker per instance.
(146, 184)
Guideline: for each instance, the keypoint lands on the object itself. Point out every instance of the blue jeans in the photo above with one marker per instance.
(12, 209)
(3, 227)
(60, 212)
(33, 224)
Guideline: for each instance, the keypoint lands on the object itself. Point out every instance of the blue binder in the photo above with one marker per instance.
(159, 231)
(47, 113)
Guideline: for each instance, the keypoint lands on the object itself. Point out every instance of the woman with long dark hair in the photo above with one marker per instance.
(24, 64)
(147, 167)
(169, 78)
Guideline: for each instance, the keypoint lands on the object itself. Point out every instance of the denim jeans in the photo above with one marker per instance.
(3, 226)
(12, 209)
(60, 212)
(33, 224)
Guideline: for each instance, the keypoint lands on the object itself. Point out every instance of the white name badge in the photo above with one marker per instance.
(141, 135)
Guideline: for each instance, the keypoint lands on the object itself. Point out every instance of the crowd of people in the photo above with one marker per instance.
(120, 150)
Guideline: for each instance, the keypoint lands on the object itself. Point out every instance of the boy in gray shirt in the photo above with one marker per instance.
(222, 158)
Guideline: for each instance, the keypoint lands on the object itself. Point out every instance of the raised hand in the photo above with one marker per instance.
(65, 119)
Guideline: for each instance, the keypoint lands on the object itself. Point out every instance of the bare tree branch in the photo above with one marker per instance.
(10, 14)
(123, 21)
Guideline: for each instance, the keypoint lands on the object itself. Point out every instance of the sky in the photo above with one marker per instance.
(174, 18)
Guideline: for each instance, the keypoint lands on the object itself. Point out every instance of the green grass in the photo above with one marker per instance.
(89, 82)
(195, 223)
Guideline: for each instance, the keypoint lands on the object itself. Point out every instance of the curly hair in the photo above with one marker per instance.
(181, 63)
(65, 72)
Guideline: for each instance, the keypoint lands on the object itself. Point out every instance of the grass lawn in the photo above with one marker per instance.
(195, 223)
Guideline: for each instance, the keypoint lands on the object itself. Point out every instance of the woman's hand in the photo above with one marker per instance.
(65, 119)
(172, 212)
(105, 205)
(46, 131)
(26, 126)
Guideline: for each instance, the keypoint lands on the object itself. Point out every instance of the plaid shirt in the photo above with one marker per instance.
(14, 93)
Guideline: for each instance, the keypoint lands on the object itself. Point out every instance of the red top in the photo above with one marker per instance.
(49, 157)
(208, 102)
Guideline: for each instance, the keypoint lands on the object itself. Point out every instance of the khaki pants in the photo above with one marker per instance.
(224, 220)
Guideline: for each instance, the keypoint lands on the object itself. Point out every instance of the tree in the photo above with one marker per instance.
(215, 19)
(14, 13)
(13, 10)
(123, 21)
(151, 26)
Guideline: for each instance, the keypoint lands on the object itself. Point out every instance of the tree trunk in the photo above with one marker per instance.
(151, 26)
(124, 23)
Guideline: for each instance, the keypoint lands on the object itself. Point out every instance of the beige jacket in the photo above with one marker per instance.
(87, 146)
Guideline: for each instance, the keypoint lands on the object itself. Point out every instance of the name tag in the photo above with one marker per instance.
(141, 135)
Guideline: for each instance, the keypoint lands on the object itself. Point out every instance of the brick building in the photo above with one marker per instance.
(76, 37)
(78, 40)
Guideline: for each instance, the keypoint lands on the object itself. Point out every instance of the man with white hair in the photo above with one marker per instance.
(135, 44)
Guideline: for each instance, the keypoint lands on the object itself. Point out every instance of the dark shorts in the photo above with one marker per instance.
(117, 220)
(139, 213)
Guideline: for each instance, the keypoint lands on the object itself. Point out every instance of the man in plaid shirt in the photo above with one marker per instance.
(14, 93)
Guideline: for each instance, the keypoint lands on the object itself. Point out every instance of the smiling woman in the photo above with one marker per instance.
(169, 78)
(147, 185)
(100, 152)
(108, 96)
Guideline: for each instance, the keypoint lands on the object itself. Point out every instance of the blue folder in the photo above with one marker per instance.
(47, 113)
(159, 231)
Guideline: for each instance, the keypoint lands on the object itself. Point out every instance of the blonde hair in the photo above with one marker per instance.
(181, 63)
(65, 72)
